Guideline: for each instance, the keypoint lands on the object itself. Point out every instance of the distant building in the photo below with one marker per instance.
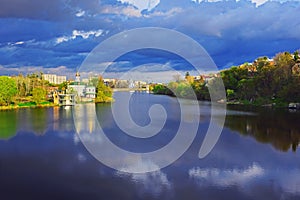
(110, 82)
(82, 90)
(122, 83)
(90, 92)
(54, 79)
(64, 99)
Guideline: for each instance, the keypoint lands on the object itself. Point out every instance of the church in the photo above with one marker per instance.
(83, 90)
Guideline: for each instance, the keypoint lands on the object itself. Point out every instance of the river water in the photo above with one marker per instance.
(256, 157)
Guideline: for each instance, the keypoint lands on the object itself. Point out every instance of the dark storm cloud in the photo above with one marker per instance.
(34, 9)
(62, 32)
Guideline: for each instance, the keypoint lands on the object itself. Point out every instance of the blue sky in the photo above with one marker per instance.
(55, 36)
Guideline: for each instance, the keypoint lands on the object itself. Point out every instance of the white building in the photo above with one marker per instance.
(78, 87)
(54, 79)
(90, 92)
(82, 89)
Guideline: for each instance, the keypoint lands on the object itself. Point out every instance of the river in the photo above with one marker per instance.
(256, 157)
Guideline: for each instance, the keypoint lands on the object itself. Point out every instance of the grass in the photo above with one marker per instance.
(27, 105)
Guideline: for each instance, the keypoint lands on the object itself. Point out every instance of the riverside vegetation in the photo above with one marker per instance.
(264, 82)
(32, 90)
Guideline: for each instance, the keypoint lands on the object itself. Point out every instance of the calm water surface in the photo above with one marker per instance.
(257, 156)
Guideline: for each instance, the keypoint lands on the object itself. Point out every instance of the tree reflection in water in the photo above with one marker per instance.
(8, 124)
(35, 120)
(280, 128)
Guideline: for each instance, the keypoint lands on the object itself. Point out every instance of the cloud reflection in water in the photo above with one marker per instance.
(154, 183)
(287, 181)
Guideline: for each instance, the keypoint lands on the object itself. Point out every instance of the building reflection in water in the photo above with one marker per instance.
(87, 118)
(63, 119)
(56, 118)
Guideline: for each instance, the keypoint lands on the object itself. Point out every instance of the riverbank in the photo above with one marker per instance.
(275, 104)
(43, 105)
(258, 103)
(27, 105)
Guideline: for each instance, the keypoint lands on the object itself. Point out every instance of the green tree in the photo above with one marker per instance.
(246, 89)
(296, 56)
(38, 95)
(284, 60)
(201, 90)
(63, 86)
(104, 93)
(94, 81)
(232, 76)
(230, 94)
(261, 62)
(8, 89)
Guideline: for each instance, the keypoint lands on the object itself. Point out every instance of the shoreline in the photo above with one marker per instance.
(232, 102)
(50, 105)
(16, 107)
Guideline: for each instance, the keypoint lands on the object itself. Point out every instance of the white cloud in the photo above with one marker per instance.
(168, 13)
(142, 4)
(211, 1)
(19, 43)
(62, 39)
(80, 13)
(259, 2)
(151, 72)
(130, 11)
(15, 43)
(127, 11)
(86, 35)
(150, 77)
(61, 70)
(77, 33)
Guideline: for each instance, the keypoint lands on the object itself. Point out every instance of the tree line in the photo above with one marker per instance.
(17, 89)
(32, 89)
(264, 81)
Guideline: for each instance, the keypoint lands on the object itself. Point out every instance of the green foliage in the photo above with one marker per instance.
(296, 56)
(26, 104)
(63, 86)
(38, 95)
(162, 89)
(246, 89)
(284, 60)
(230, 94)
(181, 89)
(25, 84)
(8, 89)
(104, 93)
(259, 83)
(201, 90)
(94, 82)
(184, 90)
(268, 82)
(232, 76)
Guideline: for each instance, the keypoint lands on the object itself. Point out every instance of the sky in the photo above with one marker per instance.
(56, 36)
